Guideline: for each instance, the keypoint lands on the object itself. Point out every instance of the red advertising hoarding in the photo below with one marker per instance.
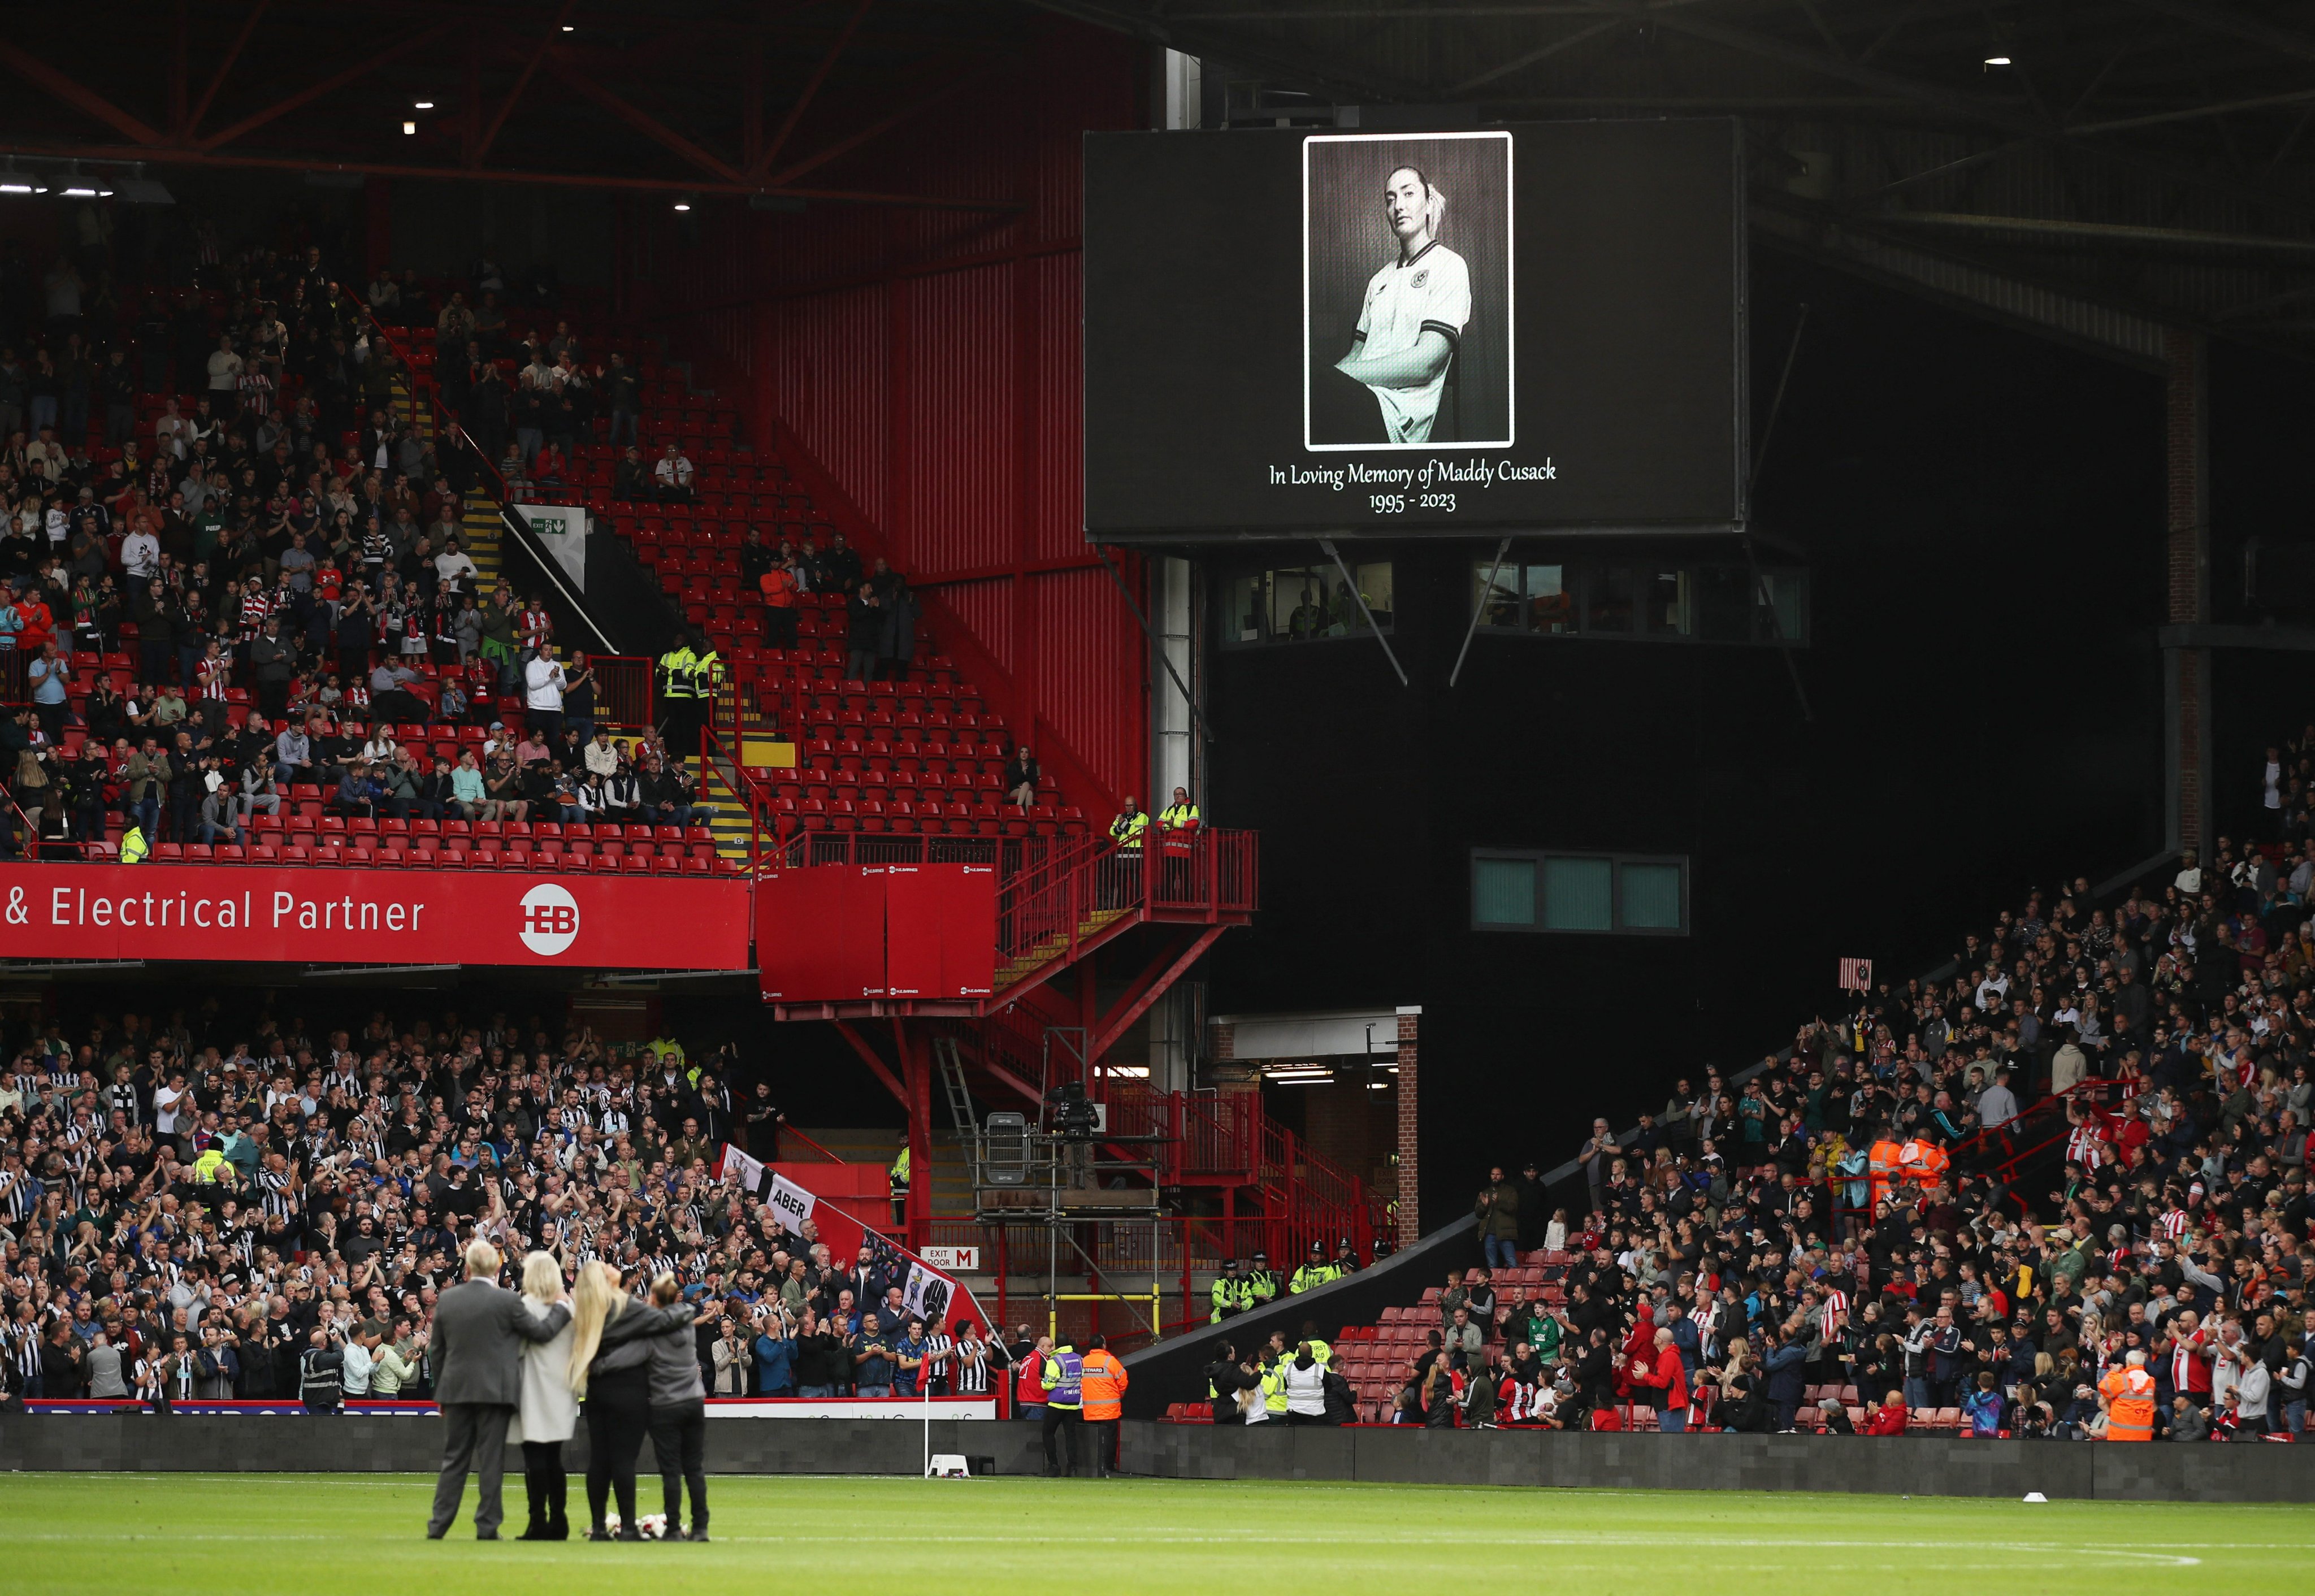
(841, 933)
(258, 914)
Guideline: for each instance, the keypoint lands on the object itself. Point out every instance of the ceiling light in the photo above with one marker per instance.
(1997, 60)
(683, 205)
(80, 192)
(22, 188)
(567, 28)
(409, 128)
(424, 104)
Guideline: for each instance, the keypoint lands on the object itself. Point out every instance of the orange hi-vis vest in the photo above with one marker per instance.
(1924, 1160)
(1103, 1383)
(1881, 1167)
(2129, 1396)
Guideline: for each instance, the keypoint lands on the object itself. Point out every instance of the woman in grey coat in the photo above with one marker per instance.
(678, 1415)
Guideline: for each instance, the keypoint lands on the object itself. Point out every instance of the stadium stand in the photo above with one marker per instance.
(282, 469)
(1962, 1209)
(187, 1210)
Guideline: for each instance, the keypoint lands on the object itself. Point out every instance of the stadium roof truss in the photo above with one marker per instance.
(702, 97)
(2096, 169)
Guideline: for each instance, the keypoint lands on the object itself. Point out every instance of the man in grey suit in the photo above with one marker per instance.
(478, 1381)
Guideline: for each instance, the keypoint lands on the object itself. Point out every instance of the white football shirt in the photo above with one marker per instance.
(1432, 292)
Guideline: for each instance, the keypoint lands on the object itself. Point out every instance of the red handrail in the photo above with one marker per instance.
(787, 1129)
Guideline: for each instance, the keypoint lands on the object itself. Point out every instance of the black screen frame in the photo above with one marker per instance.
(1289, 528)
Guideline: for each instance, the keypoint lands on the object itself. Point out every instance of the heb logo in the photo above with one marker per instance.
(550, 919)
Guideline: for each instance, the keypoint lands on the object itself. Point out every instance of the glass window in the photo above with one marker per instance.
(1503, 892)
(1651, 896)
(1576, 895)
(1549, 608)
(1374, 585)
(1723, 612)
(1784, 595)
(1634, 895)
(1499, 604)
(1608, 600)
(1719, 603)
(1305, 603)
(1666, 615)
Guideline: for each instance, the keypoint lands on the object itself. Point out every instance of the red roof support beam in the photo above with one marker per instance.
(475, 156)
(77, 95)
(329, 85)
(876, 1065)
(912, 105)
(811, 88)
(217, 79)
(643, 123)
(172, 155)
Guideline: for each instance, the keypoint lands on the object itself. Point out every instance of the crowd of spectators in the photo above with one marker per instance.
(1971, 1205)
(192, 1210)
(228, 565)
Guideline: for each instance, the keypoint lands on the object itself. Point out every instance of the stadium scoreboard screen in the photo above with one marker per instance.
(1535, 327)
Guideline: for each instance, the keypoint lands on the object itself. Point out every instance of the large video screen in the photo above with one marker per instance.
(1382, 333)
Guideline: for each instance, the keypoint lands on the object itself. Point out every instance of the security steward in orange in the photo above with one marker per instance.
(2129, 1392)
(1102, 1382)
(1881, 1162)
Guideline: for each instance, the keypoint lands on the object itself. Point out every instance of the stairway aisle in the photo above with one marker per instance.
(480, 532)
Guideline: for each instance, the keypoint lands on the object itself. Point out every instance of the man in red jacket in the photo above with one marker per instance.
(1889, 1418)
(1670, 1376)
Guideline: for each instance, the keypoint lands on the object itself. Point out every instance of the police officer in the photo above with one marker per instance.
(1229, 1293)
(1262, 1284)
(1273, 1385)
(706, 676)
(1346, 1259)
(1314, 1273)
(679, 697)
(1063, 1379)
(1322, 1350)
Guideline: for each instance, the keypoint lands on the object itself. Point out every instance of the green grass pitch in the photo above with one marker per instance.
(360, 1535)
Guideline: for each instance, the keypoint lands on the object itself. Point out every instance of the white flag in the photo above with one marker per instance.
(790, 1204)
(737, 1166)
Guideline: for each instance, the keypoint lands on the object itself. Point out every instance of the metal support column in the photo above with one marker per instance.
(1352, 582)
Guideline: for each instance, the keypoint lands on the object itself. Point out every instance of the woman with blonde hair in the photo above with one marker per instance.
(610, 1367)
(549, 1413)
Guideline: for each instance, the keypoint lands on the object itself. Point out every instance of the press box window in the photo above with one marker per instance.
(1305, 604)
(1612, 894)
(1669, 603)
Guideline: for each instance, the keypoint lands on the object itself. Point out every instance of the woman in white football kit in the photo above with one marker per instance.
(1414, 312)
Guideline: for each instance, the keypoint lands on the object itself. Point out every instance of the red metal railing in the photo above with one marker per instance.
(623, 690)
